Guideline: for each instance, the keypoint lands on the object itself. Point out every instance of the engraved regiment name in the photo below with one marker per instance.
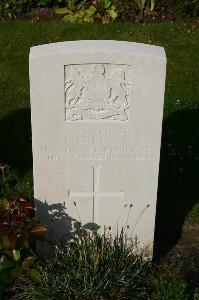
(97, 92)
(97, 144)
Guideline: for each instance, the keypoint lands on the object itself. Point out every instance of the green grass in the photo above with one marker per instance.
(178, 193)
(17, 37)
(179, 39)
(98, 267)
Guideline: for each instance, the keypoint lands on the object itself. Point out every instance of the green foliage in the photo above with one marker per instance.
(181, 7)
(24, 185)
(90, 267)
(87, 12)
(18, 232)
(98, 267)
(187, 7)
(106, 10)
(11, 8)
(12, 183)
(165, 284)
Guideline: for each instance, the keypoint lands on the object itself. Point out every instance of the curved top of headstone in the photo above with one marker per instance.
(97, 45)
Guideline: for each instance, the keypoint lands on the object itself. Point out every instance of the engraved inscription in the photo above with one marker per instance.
(97, 92)
(98, 145)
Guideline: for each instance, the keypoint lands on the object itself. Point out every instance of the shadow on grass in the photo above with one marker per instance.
(178, 189)
(179, 168)
(15, 140)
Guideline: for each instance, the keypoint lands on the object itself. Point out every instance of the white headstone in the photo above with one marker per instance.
(97, 111)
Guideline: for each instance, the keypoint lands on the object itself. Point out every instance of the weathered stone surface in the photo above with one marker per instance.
(96, 129)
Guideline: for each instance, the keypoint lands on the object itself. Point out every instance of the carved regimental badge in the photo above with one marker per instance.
(97, 92)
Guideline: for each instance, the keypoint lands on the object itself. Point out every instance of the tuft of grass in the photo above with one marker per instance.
(90, 267)
(97, 267)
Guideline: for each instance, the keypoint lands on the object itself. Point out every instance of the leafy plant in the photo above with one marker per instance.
(12, 183)
(18, 232)
(11, 8)
(87, 12)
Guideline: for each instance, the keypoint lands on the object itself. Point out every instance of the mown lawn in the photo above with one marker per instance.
(179, 39)
(179, 169)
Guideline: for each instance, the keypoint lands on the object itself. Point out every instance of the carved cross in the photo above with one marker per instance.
(96, 194)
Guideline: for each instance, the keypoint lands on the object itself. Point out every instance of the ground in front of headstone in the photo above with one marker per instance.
(185, 254)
